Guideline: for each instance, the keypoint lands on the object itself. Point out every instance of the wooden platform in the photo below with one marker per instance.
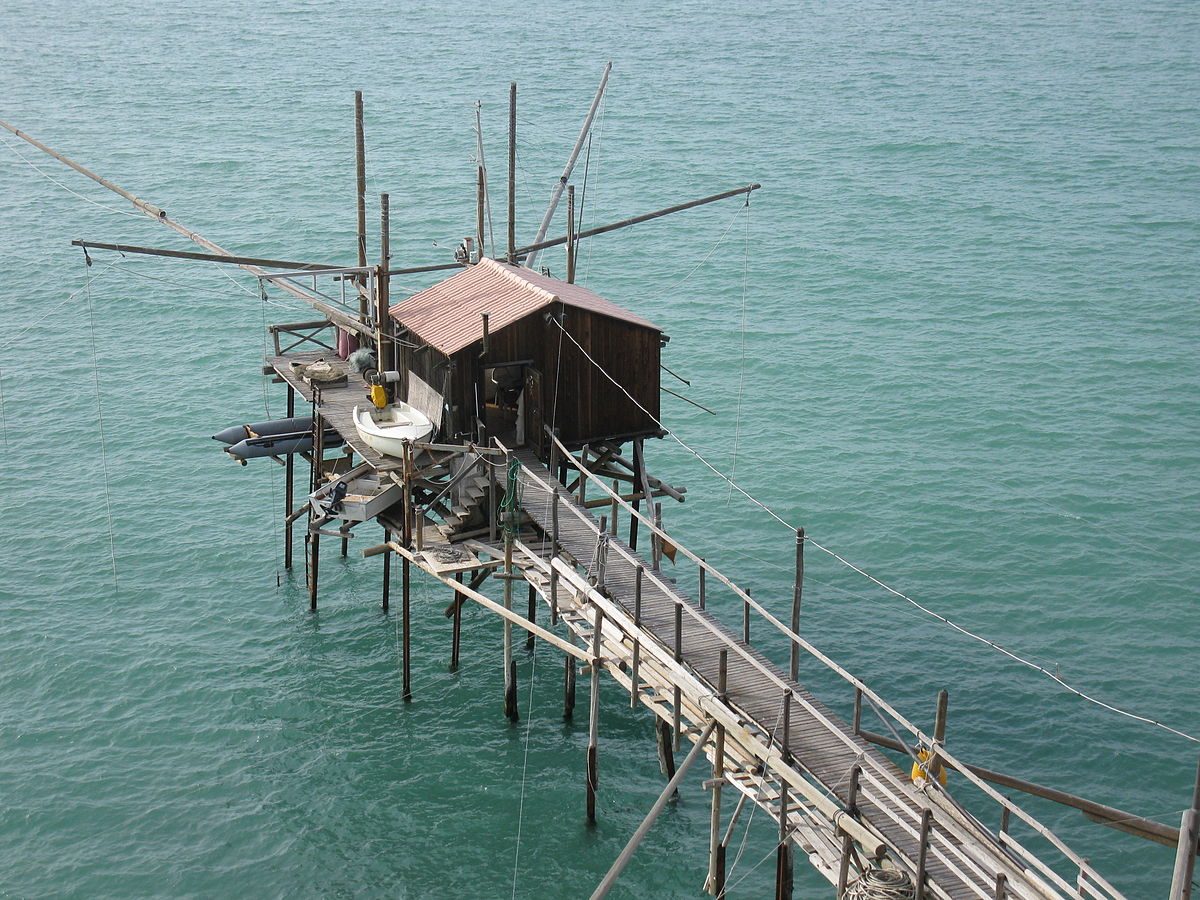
(337, 402)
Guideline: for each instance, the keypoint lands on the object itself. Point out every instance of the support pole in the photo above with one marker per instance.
(456, 627)
(715, 884)
(797, 590)
(406, 625)
(512, 173)
(594, 719)
(672, 786)
(510, 666)
(387, 572)
(532, 616)
(360, 158)
(383, 346)
(569, 670)
(570, 234)
(939, 733)
(479, 201)
(566, 174)
(666, 753)
(289, 481)
(783, 853)
(314, 559)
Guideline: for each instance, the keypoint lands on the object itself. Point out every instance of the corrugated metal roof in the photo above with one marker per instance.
(446, 315)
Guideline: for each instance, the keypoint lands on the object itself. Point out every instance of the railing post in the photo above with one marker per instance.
(635, 685)
(796, 594)
(926, 820)
(554, 547)
(677, 695)
(746, 620)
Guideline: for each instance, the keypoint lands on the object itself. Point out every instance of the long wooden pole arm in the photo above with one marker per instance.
(204, 257)
(148, 208)
(333, 314)
(521, 251)
(561, 184)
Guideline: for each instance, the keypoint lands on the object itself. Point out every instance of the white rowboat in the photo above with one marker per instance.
(385, 430)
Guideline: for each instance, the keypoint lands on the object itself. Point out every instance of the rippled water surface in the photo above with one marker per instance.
(954, 336)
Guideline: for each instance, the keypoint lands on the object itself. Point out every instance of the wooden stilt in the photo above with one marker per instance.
(456, 628)
(797, 590)
(289, 479)
(569, 670)
(783, 853)
(703, 572)
(406, 579)
(666, 752)
(594, 721)
(314, 536)
(314, 560)
(715, 884)
(510, 667)
(746, 621)
(532, 616)
(387, 571)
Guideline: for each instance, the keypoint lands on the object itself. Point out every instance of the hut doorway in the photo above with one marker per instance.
(512, 403)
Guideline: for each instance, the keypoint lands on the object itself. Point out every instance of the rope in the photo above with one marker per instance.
(510, 505)
(1013, 656)
(20, 334)
(524, 771)
(737, 427)
(39, 170)
(112, 547)
(774, 515)
(881, 884)
(3, 419)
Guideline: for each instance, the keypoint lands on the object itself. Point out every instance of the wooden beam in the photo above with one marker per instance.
(497, 608)
(542, 245)
(203, 257)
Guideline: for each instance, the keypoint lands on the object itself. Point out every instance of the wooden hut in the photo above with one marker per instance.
(498, 349)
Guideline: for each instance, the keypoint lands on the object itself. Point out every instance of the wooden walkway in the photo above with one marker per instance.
(818, 748)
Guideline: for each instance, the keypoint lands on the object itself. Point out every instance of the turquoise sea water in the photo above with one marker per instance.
(954, 336)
